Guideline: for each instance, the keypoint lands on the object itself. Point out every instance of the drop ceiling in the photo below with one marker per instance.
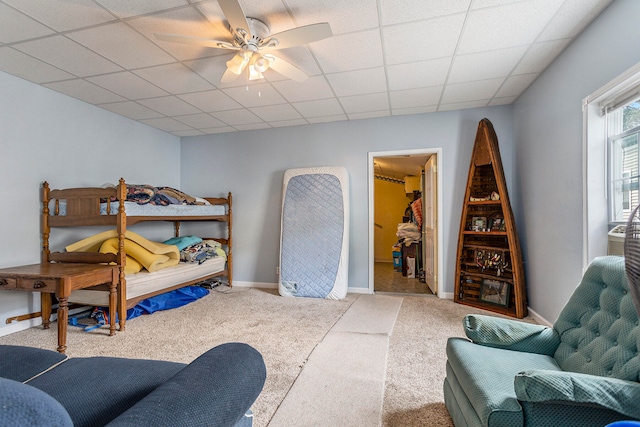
(386, 57)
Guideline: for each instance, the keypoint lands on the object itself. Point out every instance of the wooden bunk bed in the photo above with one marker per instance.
(107, 207)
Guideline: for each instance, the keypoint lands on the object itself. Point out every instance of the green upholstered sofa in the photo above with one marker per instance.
(582, 372)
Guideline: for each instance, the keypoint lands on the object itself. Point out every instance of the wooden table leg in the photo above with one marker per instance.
(45, 309)
(63, 319)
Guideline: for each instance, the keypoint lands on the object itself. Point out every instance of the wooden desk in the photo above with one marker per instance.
(60, 279)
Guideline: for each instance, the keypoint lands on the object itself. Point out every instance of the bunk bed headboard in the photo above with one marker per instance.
(75, 207)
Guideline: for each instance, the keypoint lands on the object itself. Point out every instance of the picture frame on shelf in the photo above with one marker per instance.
(478, 223)
(497, 224)
(495, 292)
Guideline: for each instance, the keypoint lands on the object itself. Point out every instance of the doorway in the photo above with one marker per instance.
(404, 208)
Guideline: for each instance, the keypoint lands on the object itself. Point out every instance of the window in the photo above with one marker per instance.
(611, 120)
(624, 162)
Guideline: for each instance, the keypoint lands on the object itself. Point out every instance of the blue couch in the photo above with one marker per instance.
(45, 388)
(584, 371)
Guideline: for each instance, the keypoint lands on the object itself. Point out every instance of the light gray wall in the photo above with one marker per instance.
(47, 136)
(251, 164)
(547, 123)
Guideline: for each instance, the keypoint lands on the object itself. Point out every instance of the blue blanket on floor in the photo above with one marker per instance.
(167, 301)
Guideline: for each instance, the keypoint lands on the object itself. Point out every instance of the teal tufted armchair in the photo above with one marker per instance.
(585, 371)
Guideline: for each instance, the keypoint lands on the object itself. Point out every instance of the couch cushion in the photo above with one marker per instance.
(486, 374)
(95, 390)
(23, 405)
(599, 332)
(22, 363)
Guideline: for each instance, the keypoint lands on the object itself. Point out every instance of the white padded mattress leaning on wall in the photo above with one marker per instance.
(314, 239)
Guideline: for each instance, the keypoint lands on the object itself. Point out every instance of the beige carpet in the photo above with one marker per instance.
(287, 331)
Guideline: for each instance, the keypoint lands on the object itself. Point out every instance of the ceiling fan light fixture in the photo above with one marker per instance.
(260, 63)
(237, 63)
(255, 74)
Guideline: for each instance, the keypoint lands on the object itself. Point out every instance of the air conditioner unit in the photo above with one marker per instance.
(615, 242)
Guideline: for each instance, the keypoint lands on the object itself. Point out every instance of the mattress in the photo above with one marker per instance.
(314, 241)
(135, 209)
(144, 283)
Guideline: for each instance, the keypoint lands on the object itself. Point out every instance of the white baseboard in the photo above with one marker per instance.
(538, 318)
(20, 326)
(445, 295)
(268, 285)
(263, 285)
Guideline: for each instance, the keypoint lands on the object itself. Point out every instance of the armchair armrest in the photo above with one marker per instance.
(511, 334)
(539, 386)
(216, 389)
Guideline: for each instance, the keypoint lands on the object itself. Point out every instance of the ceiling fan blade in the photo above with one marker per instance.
(302, 35)
(287, 69)
(198, 41)
(235, 15)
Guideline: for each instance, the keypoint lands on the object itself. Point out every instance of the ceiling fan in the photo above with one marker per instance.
(253, 44)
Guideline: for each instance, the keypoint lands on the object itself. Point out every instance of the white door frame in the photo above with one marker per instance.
(426, 151)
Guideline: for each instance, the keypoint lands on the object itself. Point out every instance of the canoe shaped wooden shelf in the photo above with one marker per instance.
(489, 273)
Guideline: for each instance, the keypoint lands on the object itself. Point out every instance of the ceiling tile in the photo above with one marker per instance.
(68, 56)
(472, 91)
(200, 121)
(322, 107)
(14, 26)
(416, 110)
(174, 78)
(520, 24)
(312, 88)
(326, 119)
(387, 57)
(169, 106)
(76, 13)
(85, 91)
(540, 56)
(222, 129)
(365, 103)
(418, 74)
(192, 132)
(166, 124)
(515, 85)
(395, 12)
(502, 101)
(349, 52)
(479, 4)
(128, 85)
(485, 65)
(462, 105)
(270, 113)
(122, 45)
(131, 109)
(572, 17)
(359, 82)
(256, 95)
(185, 22)
(127, 8)
(344, 16)
(415, 97)
(286, 123)
(237, 117)
(368, 115)
(253, 126)
(210, 100)
(28, 68)
(431, 39)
